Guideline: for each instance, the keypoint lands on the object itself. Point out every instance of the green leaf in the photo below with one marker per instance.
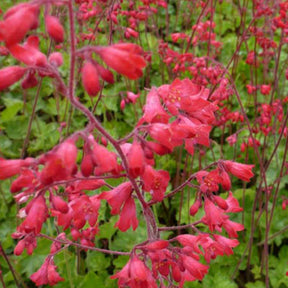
(97, 261)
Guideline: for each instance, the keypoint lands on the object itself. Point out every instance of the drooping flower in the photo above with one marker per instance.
(60, 164)
(241, 171)
(29, 80)
(56, 59)
(153, 110)
(233, 204)
(117, 196)
(54, 28)
(11, 75)
(29, 53)
(37, 213)
(136, 160)
(155, 182)
(85, 208)
(28, 242)
(104, 160)
(194, 267)
(226, 243)
(124, 58)
(128, 217)
(59, 204)
(163, 133)
(9, 168)
(232, 228)
(26, 179)
(135, 274)
(47, 274)
(90, 79)
(17, 22)
(214, 216)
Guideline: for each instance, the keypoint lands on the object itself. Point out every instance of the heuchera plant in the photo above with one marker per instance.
(180, 113)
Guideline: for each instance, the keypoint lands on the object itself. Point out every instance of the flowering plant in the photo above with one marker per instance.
(94, 177)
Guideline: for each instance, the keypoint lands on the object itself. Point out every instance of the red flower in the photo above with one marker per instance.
(104, 160)
(124, 58)
(135, 274)
(155, 182)
(36, 212)
(128, 216)
(90, 79)
(85, 209)
(153, 110)
(211, 248)
(233, 204)
(265, 89)
(54, 28)
(241, 171)
(136, 160)
(226, 243)
(190, 241)
(59, 164)
(10, 75)
(9, 168)
(56, 59)
(17, 22)
(47, 274)
(163, 133)
(214, 216)
(195, 268)
(26, 179)
(29, 242)
(117, 197)
(59, 204)
(232, 228)
(181, 94)
(29, 52)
